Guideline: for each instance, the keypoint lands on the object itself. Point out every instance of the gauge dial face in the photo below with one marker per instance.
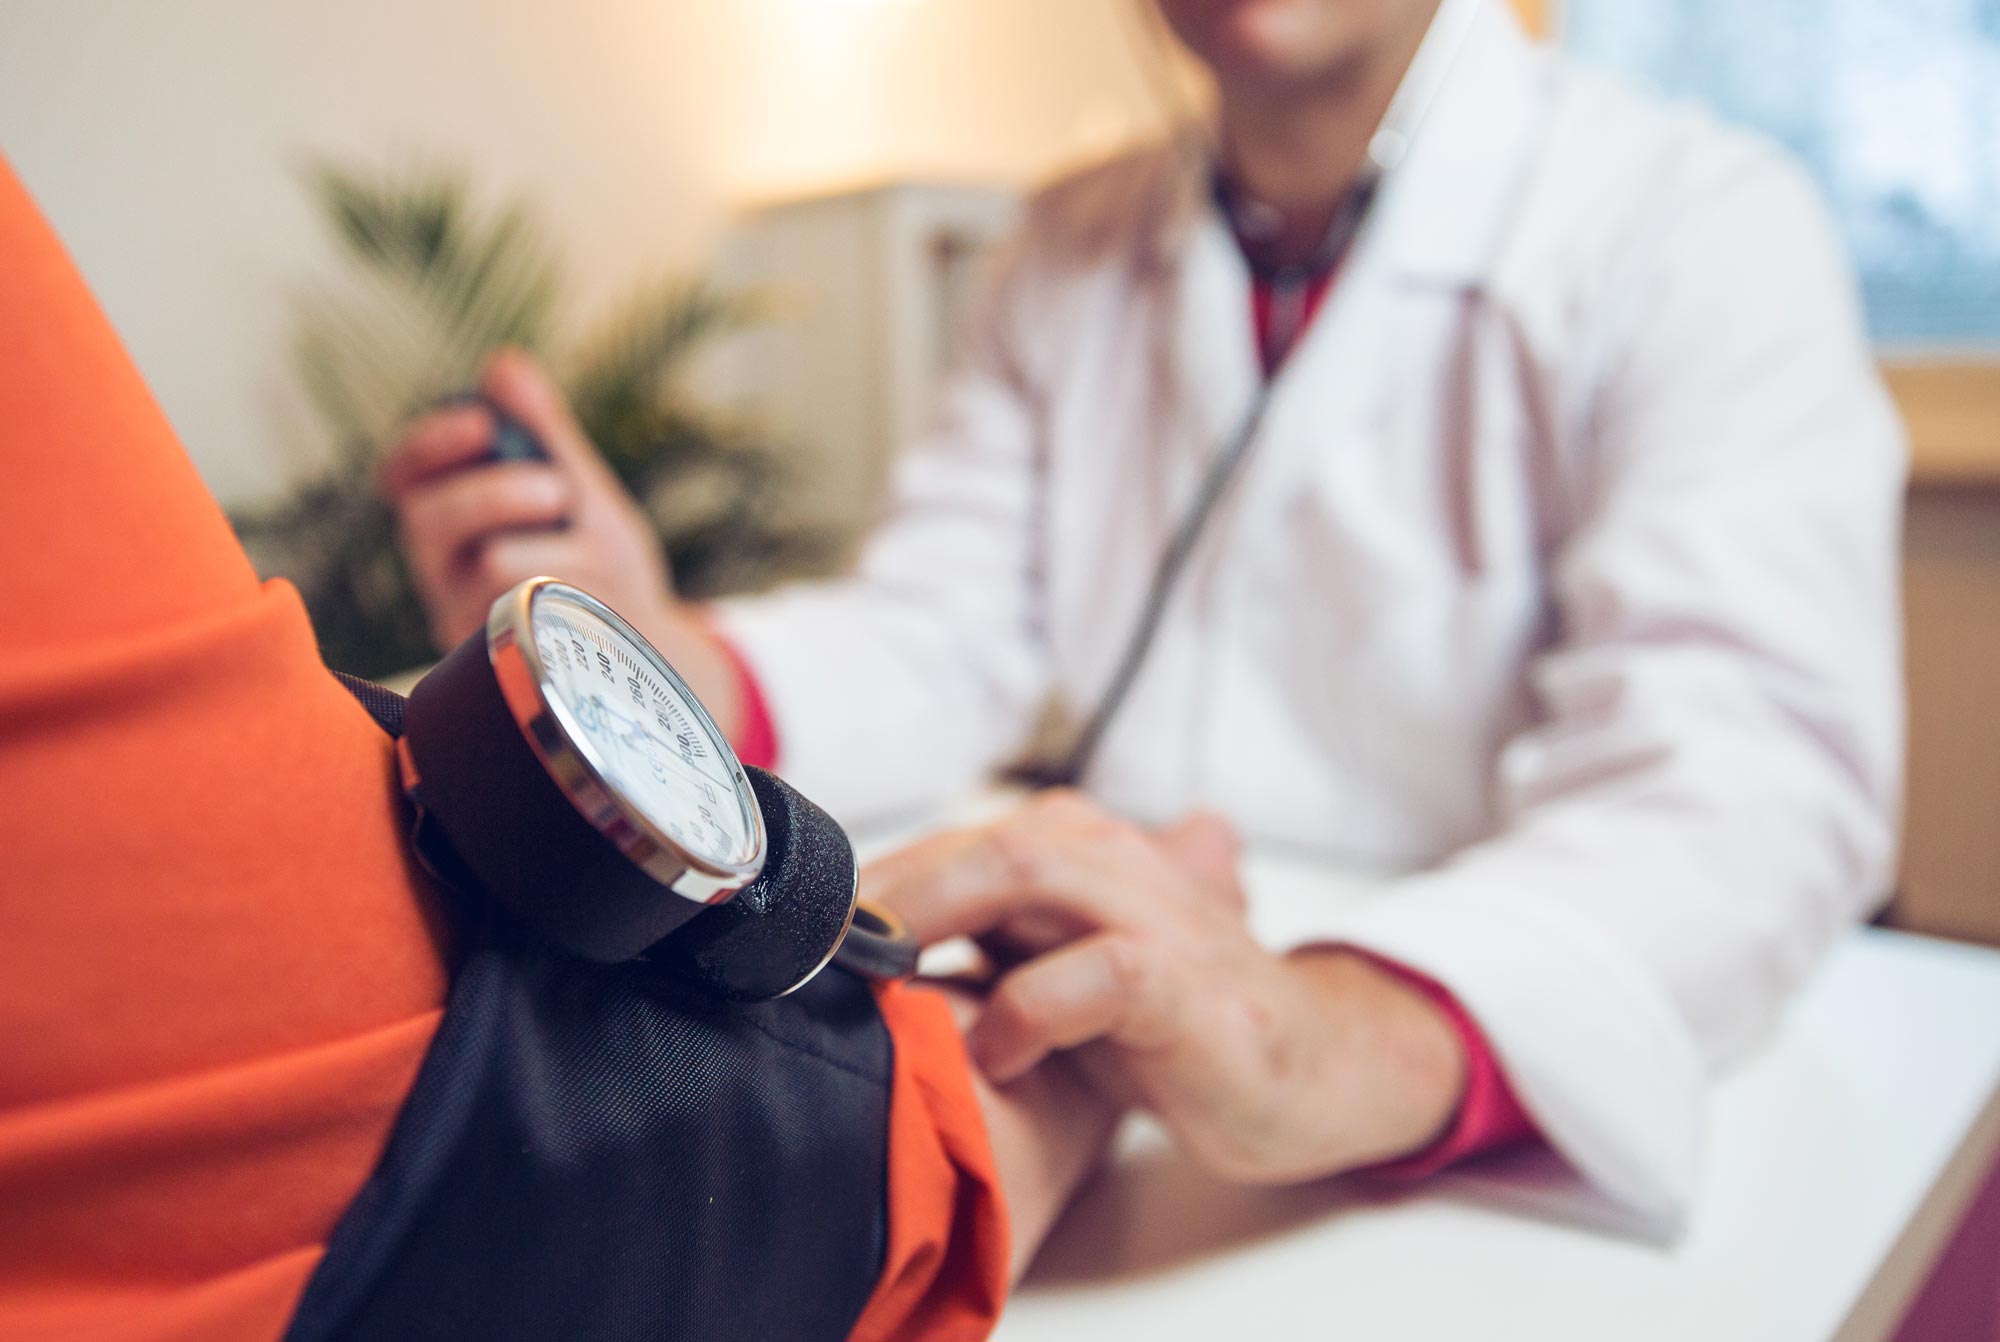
(644, 731)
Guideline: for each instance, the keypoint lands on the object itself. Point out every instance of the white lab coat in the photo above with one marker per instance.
(1561, 584)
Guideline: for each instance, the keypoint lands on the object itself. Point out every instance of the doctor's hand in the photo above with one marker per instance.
(471, 529)
(1129, 949)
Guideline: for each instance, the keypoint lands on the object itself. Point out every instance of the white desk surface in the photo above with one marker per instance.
(1838, 1160)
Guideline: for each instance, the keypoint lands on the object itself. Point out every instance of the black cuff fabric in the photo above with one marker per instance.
(602, 1152)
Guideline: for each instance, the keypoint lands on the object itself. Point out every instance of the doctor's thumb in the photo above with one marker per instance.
(517, 382)
(1205, 846)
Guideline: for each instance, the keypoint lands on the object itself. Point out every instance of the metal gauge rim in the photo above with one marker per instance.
(565, 751)
(833, 951)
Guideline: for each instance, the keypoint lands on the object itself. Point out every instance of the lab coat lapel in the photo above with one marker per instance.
(1211, 353)
(1446, 210)
(1440, 223)
(1442, 217)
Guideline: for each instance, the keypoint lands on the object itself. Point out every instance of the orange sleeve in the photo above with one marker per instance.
(217, 971)
(944, 1276)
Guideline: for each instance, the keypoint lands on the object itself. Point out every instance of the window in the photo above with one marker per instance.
(1893, 104)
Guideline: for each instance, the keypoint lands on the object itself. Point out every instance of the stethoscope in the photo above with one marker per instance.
(1289, 287)
(1387, 149)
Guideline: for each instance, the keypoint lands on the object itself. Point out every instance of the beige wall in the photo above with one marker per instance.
(157, 137)
(157, 134)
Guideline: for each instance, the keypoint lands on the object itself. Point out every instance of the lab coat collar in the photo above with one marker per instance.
(1446, 209)
(1466, 113)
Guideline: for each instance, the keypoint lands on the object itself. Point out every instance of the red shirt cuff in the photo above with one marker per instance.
(1489, 1116)
(756, 740)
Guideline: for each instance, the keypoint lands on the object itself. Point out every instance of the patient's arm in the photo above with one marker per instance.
(219, 971)
(959, 1143)
(1049, 1130)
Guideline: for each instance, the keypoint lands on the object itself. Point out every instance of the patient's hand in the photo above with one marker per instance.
(1048, 1129)
(1130, 950)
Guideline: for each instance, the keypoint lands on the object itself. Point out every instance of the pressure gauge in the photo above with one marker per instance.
(571, 774)
(626, 740)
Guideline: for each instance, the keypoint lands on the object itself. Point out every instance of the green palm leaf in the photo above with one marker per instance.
(432, 282)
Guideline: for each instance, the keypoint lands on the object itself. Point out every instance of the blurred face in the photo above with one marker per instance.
(1273, 44)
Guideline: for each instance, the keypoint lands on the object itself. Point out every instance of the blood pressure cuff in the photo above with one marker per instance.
(602, 1152)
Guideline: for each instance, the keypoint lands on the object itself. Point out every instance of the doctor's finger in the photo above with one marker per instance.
(881, 877)
(922, 858)
(1206, 847)
(1031, 932)
(451, 515)
(1020, 936)
(948, 885)
(1017, 867)
(519, 384)
(1100, 987)
(433, 444)
(511, 557)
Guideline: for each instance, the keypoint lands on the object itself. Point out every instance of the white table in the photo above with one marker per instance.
(1839, 1159)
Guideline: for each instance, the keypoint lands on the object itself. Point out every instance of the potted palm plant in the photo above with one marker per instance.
(430, 283)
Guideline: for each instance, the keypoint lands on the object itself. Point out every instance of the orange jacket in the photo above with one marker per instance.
(218, 969)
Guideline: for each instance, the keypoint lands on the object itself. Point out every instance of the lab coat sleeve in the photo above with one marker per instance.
(1710, 788)
(906, 683)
